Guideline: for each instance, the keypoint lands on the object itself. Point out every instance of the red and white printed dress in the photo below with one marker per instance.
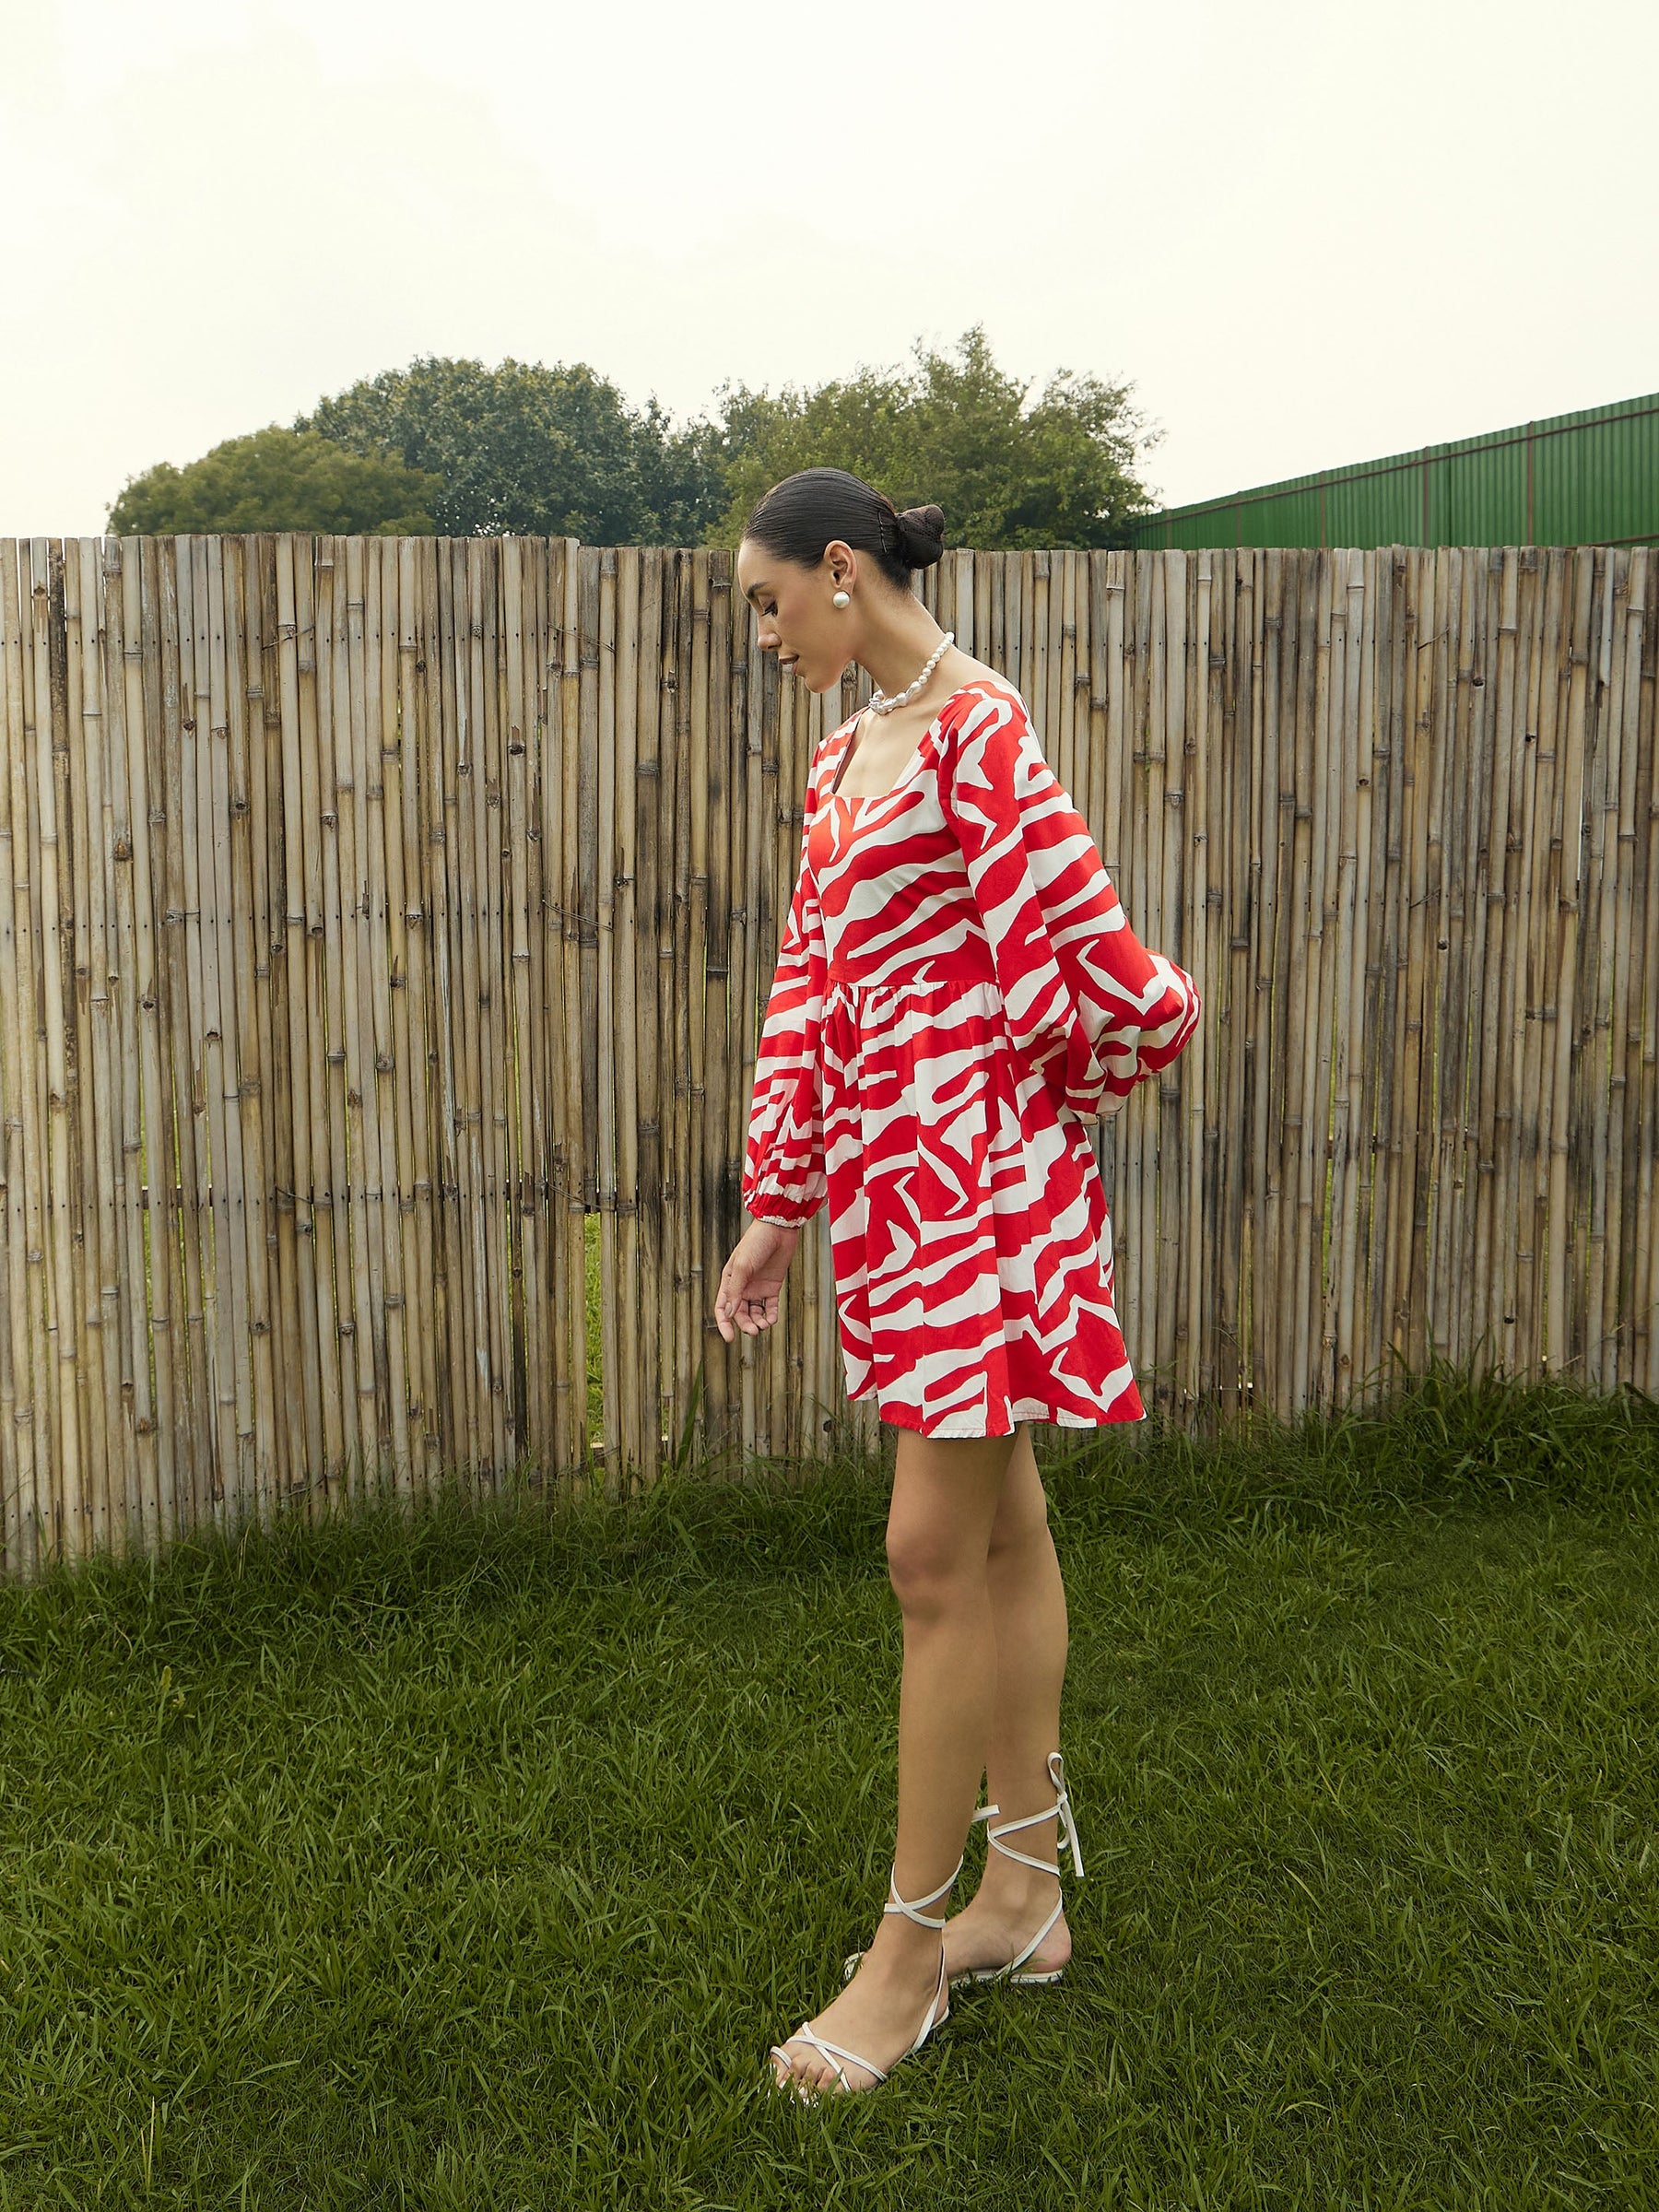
(957, 985)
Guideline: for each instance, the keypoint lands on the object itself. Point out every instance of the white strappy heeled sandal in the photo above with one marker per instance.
(1016, 1971)
(836, 2052)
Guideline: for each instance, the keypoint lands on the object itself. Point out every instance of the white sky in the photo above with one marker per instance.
(1309, 233)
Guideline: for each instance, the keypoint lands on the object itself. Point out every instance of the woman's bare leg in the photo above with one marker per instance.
(1028, 1623)
(946, 1495)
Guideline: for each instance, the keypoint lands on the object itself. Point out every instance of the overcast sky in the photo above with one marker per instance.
(1307, 233)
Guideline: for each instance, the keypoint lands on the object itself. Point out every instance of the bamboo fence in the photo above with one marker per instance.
(385, 927)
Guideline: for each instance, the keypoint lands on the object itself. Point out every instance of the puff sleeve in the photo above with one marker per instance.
(1087, 1004)
(784, 1174)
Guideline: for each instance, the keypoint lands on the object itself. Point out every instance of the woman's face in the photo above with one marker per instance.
(795, 612)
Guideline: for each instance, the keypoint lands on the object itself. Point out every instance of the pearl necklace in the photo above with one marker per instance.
(879, 701)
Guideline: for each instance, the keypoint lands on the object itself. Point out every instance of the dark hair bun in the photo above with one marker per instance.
(922, 535)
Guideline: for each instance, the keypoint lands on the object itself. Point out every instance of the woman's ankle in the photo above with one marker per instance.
(904, 1950)
(1018, 1892)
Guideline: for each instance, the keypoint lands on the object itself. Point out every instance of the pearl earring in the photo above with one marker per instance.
(841, 599)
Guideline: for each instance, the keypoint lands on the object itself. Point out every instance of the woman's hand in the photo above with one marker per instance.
(752, 1279)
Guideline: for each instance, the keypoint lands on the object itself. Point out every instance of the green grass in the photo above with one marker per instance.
(475, 1862)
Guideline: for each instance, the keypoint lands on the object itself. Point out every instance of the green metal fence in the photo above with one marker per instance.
(1589, 478)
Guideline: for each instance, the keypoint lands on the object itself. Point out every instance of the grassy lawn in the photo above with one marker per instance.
(474, 1862)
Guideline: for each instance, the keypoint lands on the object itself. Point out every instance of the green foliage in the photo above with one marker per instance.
(958, 432)
(470, 451)
(277, 479)
(538, 452)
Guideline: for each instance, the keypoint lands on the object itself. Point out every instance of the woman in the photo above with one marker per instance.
(957, 987)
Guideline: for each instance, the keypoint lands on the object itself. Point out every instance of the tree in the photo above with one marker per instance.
(956, 431)
(539, 452)
(277, 479)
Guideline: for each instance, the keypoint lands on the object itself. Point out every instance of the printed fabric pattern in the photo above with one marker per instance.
(957, 991)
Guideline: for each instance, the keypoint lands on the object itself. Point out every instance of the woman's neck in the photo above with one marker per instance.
(896, 655)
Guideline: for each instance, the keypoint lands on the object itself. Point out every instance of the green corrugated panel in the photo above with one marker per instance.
(1590, 477)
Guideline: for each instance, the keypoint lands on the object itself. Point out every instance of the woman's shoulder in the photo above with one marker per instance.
(983, 696)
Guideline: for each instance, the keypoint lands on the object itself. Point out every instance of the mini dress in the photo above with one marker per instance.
(957, 993)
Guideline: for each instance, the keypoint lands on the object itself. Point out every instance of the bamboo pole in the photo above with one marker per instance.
(1564, 1352)
(606, 769)
(354, 1046)
(1411, 666)
(649, 984)
(1646, 1285)
(585, 1068)
(388, 844)
(29, 1429)
(1541, 612)
(302, 937)
(1587, 1075)
(95, 1116)
(169, 1302)
(460, 1003)
(14, 1510)
(685, 1336)
(1550, 860)
(120, 1144)
(1194, 1231)
(518, 649)
(220, 1080)
(378, 826)
(1314, 759)
(565, 1382)
(1344, 982)
(457, 1005)
(207, 1036)
(1622, 1319)
(1296, 772)
(62, 678)
(1432, 1200)
(1468, 772)
(435, 668)
(1385, 936)
(532, 1064)
(748, 686)
(713, 668)
(279, 1383)
(1625, 1319)
(625, 923)
(746, 837)
(484, 559)
(413, 1018)
(702, 1268)
(1492, 1099)
(1248, 1006)
(242, 924)
(1060, 735)
(1622, 702)
(49, 1391)
(334, 712)
(63, 1316)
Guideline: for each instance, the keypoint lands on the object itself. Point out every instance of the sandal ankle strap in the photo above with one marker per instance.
(1067, 1838)
(909, 1906)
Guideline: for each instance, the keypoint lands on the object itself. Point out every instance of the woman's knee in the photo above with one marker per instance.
(932, 1573)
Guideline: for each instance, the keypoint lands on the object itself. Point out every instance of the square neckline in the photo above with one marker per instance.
(855, 799)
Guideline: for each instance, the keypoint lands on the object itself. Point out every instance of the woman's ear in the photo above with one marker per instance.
(840, 564)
